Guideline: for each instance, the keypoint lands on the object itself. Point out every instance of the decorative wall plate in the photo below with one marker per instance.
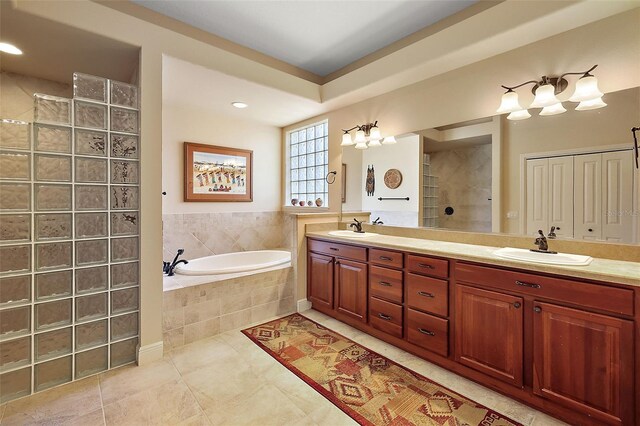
(393, 178)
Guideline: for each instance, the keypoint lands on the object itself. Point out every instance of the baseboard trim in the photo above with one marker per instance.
(303, 305)
(149, 353)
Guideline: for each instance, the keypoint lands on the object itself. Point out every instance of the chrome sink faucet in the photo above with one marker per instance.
(552, 233)
(357, 225)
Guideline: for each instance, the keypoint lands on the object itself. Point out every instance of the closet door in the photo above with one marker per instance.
(561, 195)
(537, 196)
(617, 194)
(588, 197)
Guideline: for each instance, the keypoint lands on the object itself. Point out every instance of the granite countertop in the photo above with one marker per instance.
(614, 271)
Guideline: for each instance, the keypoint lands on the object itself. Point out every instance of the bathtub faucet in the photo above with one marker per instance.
(168, 268)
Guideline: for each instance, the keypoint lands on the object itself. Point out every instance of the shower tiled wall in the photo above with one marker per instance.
(69, 221)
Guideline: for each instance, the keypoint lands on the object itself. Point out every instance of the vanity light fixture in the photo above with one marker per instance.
(546, 90)
(239, 105)
(367, 135)
(10, 48)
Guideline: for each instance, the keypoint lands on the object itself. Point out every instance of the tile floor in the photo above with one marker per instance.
(224, 380)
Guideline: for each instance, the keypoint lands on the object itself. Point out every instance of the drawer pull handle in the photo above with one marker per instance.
(530, 285)
(386, 258)
(334, 249)
(425, 265)
(384, 283)
(427, 332)
(517, 305)
(385, 317)
(425, 294)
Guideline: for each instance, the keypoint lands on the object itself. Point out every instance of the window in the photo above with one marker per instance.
(307, 165)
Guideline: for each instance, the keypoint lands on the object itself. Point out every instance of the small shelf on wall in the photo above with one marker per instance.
(429, 194)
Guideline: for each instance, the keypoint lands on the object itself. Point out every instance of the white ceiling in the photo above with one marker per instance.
(194, 86)
(320, 36)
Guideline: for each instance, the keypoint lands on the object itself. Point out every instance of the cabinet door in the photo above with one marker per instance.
(537, 195)
(561, 196)
(351, 289)
(489, 333)
(320, 280)
(588, 197)
(584, 361)
(617, 196)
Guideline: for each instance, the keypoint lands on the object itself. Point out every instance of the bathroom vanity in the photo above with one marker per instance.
(559, 339)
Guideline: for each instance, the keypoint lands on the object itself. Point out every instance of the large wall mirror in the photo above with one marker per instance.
(573, 171)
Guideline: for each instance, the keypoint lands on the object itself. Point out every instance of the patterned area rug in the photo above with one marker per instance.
(370, 388)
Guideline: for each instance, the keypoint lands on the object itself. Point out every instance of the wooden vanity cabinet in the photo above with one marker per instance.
(351, 289)
(320, 290)
(337, 279)
(584, 361)
(489, 334)
(562, 345)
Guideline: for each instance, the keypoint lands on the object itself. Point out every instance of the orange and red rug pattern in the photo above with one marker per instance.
(370, 388)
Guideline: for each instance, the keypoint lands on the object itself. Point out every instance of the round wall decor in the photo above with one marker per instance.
(392, 178)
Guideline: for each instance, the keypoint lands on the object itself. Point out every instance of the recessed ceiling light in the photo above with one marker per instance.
(10, 48)
(239, 104)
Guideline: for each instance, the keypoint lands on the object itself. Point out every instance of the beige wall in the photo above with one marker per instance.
(570, 131)
(182, 123)
(474, 91)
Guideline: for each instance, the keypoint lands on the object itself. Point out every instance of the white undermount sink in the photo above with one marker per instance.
(548, 258)
(351, 234)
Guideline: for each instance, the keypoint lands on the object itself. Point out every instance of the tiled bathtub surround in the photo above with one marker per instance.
(205, 310)
(204, 234)
(65, 313)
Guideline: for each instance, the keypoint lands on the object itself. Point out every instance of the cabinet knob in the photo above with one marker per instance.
(590, 230)
(557, 228)
(384, 317)
(537, 309)
(427, 332)
(517, 305)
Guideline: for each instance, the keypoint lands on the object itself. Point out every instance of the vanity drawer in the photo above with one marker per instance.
(385, 283)
(428, 332)
(428, 294)
(595, 296)
(338, 250)
(385, 316)
(428, 266)
(385, 258)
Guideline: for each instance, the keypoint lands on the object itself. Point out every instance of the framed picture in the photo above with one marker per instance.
(217, 173)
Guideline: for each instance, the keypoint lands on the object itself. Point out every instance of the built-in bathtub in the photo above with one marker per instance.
(214, 294)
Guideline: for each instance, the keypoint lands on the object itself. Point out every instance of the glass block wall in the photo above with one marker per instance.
(69, 221)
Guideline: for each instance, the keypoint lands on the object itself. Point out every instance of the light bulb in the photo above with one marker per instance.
(374, 135)
(360, 136)
(523, 114)
(591, 104)
(346, 140)
(361, 145)
(586, 90)
(553, 109)
(389, 140)
(545, 96)
(10, 48)
(509, 103)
